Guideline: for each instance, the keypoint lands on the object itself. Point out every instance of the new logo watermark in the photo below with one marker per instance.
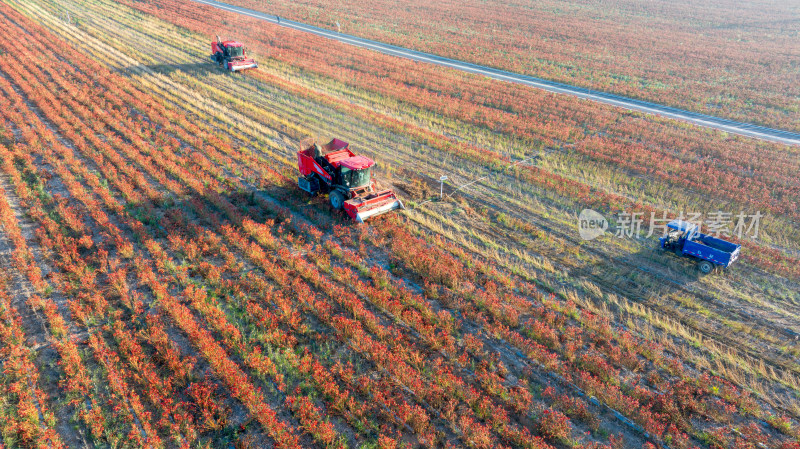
(591, 224)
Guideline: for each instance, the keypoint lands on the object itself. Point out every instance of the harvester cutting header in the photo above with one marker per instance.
(231, 55)
(346, 178)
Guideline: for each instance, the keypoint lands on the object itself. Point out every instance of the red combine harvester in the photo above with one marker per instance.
(231, 55)
(346, 178)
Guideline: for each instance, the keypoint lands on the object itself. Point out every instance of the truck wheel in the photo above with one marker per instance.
(337, 199)
(706, 267)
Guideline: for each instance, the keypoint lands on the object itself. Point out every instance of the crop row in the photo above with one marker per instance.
(680, 55)
(737, 173)
(533, 116)
(158, 290)
(254, 110)
(200, 188)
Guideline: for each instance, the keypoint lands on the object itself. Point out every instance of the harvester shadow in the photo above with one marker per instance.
(192, 68)
(271, 203)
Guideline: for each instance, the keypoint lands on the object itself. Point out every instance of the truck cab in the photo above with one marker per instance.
(685, 239)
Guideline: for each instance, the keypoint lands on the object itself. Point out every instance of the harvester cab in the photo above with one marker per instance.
(231, 55)
(346, 178)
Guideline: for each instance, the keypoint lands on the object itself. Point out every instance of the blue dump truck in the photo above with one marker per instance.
(685, 239)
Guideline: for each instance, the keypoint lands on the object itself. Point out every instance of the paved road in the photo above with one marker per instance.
(731, 126)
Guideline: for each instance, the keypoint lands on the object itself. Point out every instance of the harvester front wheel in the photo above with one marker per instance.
(218, 56)
(337, 199)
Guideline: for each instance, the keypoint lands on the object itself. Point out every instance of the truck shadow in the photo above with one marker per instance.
(664, 264)
(648, 269)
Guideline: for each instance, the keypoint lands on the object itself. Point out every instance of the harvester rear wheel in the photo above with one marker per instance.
(337, 199)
